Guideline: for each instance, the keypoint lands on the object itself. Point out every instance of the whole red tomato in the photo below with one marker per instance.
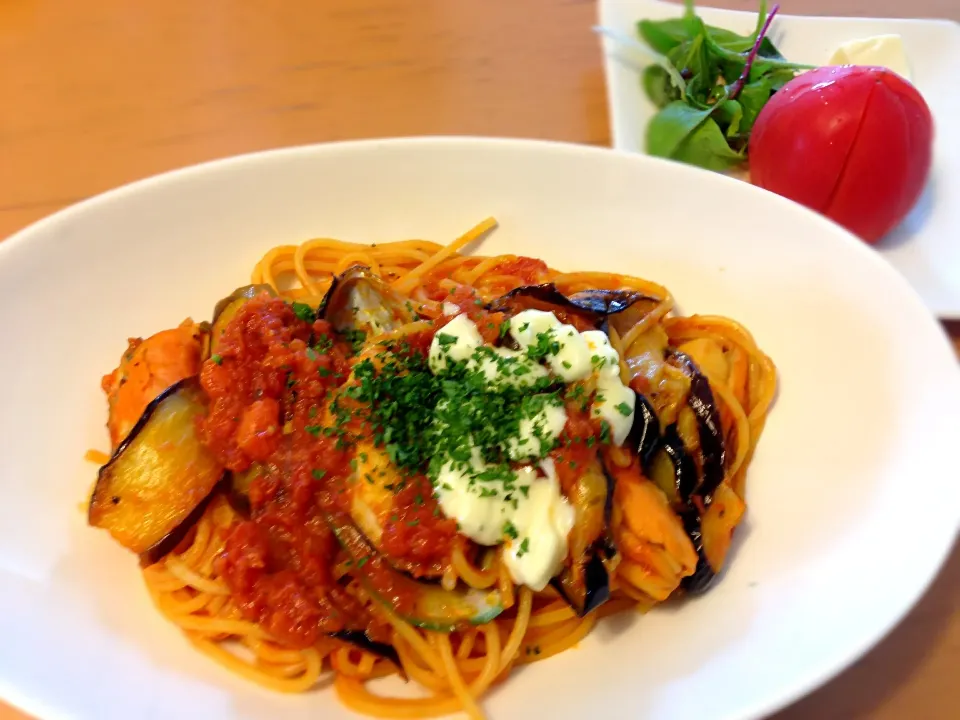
(852, 142)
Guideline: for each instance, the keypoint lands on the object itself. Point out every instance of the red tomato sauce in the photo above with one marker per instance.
(267, 389)
(417, 531)
(578, 446)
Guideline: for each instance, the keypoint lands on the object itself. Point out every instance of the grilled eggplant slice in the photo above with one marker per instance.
(711, 533)
(644, 436)
(586, 309)
(589, 589)
(228, 307)
(712, 453)
(426, 605)
(672, 469)
(608, 302)
(585, 584)
(690, 476)
(704, 574)
(150, 490)
(359, 301)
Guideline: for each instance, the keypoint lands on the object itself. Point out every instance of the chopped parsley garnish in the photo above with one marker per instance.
(304, 312)
(313, 430)
(524, 548)
(546, 344)
(463, 419)
(623, 409)
(216, 358)
(356, 338)
(604, 431)
(318, 474)
(446, 340)
(510, 530)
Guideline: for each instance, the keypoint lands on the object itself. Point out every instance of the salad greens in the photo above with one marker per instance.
(710, 84)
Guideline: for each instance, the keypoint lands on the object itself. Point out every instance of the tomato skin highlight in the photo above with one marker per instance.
(852, 142)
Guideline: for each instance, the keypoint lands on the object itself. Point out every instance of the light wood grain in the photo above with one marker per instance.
(98, 93)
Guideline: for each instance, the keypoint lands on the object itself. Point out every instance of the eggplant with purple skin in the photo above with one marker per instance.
(644, 436)
(589, 307)
(154, 488)
(585, 583)
(688, 480)
(712, 452)
(704, 574)
(672, 468)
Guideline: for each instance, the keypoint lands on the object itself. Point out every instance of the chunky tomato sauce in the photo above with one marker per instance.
(577, 448)
(416, 530)
(269, 386)
(267, 390)
(270, 422)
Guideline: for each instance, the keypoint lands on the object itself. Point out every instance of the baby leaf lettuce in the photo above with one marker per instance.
(728, 79)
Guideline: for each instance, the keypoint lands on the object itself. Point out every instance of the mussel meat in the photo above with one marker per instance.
(360, 301)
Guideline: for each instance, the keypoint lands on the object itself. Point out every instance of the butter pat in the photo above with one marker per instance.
(882, 50)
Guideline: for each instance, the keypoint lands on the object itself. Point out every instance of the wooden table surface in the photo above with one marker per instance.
(98, 93)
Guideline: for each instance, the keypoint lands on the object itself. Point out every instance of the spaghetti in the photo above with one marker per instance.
(661, 536)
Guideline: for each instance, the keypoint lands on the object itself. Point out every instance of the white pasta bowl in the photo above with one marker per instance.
(853, 500)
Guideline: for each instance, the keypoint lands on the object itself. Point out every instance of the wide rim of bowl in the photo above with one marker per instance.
(766, 702)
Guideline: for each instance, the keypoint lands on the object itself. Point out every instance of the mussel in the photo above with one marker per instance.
(360, 301)
(156, 485)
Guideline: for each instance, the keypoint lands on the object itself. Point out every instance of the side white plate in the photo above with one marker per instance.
(926, 246)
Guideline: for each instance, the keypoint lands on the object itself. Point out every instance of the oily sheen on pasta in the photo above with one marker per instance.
(404, 459)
